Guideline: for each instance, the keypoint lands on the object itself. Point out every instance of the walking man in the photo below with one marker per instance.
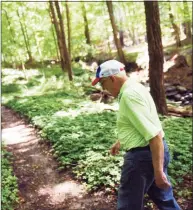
(140, 134)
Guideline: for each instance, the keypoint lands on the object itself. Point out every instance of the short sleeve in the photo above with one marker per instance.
(140, 116)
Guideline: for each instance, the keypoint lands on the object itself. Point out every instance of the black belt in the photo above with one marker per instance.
(139, 148)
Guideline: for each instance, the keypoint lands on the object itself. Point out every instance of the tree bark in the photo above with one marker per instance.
(176, 29)
(155, 50)
(86, 28)
(187, 21)
(69, 28)
(117, 41)
(65, 51)
(58, 33)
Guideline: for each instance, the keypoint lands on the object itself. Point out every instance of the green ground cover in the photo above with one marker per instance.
(9, 182)
(81, 131)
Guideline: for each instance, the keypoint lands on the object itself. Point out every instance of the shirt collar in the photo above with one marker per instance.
(122, 89)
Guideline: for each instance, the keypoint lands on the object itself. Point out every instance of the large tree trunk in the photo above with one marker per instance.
(187, 21)
(69, 28)
(155, 56)
(65, 51)
(117, 41)
(176, 29)
(58, 33)
(86, 28)
(25, 38)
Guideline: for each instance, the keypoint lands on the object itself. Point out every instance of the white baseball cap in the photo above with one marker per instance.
(107, 69)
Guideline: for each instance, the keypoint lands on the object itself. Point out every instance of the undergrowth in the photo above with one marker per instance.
(9, 182)
(81, 132)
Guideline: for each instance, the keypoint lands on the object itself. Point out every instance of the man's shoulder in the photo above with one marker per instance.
(135, 93)
(132, 91)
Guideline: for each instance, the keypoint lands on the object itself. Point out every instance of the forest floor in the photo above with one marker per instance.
(41, 186)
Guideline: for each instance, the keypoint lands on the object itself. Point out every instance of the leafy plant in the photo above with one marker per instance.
(9, 182)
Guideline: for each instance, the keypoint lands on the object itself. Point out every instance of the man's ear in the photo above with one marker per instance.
(112, 78)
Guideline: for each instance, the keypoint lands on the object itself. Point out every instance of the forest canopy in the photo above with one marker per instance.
(27, 29)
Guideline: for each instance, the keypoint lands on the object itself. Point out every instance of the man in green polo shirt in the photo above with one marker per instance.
(140, 134)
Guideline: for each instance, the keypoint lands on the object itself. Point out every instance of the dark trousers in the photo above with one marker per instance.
(137, 178)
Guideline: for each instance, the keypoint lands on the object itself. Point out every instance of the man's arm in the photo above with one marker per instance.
(157, 150)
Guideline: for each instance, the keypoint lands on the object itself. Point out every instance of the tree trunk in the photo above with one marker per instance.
(107, 35)
(12, 35)
(134, 32)
(69, 28)
(155, 49)
(58, 33)
(50, 11)
(187, 21)
(117, 41)
(56, 46)
(86, 28)
(131, 30)
(121, 37)
(25, 38)
(132, 36)
(10, 28)
(63, 39)
(176, 29)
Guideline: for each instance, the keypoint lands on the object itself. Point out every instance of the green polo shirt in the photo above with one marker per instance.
(137, 118)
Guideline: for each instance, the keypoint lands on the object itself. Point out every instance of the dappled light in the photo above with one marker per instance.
(17, 134)
(86, 108)
(62, 191)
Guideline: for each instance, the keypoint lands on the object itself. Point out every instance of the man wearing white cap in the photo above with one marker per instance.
(140, 134)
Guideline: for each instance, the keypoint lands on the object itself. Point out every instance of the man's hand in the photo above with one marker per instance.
(115, 148)
(161, 180)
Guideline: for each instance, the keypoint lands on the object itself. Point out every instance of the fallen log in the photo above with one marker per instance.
(179, 111)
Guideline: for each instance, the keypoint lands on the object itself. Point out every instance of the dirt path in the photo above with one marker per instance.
(41, 186)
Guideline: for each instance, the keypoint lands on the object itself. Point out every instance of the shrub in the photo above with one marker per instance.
(9, 182)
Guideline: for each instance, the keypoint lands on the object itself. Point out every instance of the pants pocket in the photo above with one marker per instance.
(166, 158)
(166, 155)
(127, 169)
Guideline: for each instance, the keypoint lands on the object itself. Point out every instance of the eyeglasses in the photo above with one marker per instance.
(102, 81)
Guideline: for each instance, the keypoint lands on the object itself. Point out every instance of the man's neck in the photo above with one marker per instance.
(121, 83)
